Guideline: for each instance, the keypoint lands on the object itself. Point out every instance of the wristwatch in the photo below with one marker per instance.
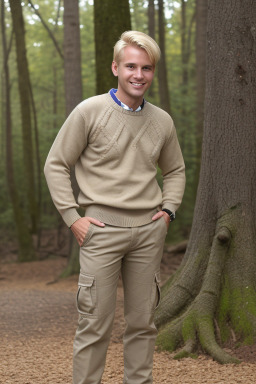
(170, 213)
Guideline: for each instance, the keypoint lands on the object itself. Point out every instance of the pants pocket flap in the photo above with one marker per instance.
(85, 280)
(158, 277)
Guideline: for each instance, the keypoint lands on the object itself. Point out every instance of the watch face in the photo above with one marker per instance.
(172, 216)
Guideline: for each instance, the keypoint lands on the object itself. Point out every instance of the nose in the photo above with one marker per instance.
(138, 74)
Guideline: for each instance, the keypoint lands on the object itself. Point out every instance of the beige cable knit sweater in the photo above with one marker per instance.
(115, 153)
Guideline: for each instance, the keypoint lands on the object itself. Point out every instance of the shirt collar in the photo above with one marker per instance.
(112, 94)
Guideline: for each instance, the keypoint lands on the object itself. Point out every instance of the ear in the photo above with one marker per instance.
(115, 68)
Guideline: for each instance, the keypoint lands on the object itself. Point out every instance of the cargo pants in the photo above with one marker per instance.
(106, 252)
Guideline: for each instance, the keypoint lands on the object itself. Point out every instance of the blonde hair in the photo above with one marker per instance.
(140, 40)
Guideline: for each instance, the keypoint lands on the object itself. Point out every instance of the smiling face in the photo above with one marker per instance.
(135, 74)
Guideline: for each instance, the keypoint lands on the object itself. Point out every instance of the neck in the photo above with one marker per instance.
(132, 103)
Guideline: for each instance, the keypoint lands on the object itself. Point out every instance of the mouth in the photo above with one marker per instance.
(137, 84)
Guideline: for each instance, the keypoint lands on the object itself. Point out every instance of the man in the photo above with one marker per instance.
(115, 142)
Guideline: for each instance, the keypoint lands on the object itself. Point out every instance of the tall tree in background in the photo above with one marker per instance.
(73, 96)
(25, 105)
(186, 34)
(162, 70)
(151, 19)
(72, 55)
(151, 32)
(26, 249)
(213, 293)
(111, 19)
(201, 29)
(57, 51)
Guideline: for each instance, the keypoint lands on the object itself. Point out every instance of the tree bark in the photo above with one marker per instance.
(201, 30)
(25, 103)
(186, 34)
(111, 19)
(162, 70)
(151, 19)
(26, 249)
(73, 96)
(214, 288)
(72, 55)
(152, 33)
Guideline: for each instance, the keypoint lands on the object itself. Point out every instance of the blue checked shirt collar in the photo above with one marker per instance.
(112, 94)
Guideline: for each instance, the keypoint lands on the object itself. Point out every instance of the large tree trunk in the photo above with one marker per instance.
(162, 69)
(201, 28)
(111, 19)
(25, 242)
(213, 293)
(25, 103)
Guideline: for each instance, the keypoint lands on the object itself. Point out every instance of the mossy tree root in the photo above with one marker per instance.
(196, 324)
(184, 288)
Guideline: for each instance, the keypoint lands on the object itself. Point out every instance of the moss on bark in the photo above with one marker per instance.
(195, 325)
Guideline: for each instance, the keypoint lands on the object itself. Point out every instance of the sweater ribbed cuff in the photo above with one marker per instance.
(70, 216)
(170, 207)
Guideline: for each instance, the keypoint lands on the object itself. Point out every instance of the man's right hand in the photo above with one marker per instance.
(81, 226)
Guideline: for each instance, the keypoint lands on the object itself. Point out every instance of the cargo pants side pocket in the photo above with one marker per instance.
(156, 291)
(86, 295)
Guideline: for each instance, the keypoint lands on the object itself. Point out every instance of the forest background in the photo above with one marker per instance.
(44, 39)
(60, 60)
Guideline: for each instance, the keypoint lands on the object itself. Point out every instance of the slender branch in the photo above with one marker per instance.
(9, 46)
(58, 13)
(48, 29)
(38, 162)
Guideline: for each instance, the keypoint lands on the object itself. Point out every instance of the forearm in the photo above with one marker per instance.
(64, 153)
(59, 184)
(173, 189)
(173, 170)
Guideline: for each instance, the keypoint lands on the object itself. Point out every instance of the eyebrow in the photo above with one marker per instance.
(145, 65)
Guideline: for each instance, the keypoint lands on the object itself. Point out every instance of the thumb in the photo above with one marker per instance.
(157, 215)
(96, 222)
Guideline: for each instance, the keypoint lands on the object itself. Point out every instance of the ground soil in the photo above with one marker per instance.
(38, 320)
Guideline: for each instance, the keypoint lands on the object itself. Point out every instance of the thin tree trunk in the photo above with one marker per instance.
(184, 46)
(151, 19)
(152, 33)
(186, 35)
(72, 55)
(25, 103)
(162, 70)
(73, 96)
(25, 242)
(111, 19)
(55, 71)
(38, 164)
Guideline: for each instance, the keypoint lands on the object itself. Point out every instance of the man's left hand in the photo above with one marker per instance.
(159, 214)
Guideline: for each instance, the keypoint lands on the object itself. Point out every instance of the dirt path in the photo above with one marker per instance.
(37, 326)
